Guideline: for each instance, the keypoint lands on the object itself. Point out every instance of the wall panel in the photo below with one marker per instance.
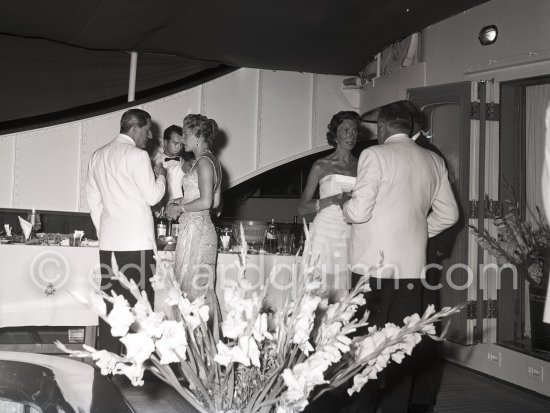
(233, 102)
(47, 168)
(172, 109)
(266, 118)
(7, 159)
(328, 99)
(285, 116)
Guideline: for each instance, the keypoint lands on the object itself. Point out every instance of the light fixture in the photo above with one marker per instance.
(488, 35)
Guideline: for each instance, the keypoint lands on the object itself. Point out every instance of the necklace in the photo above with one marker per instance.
(198, 156)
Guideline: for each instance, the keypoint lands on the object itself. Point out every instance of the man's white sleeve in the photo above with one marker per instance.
(444, 208)
(150, 188)
(359, 208)
(93, 197)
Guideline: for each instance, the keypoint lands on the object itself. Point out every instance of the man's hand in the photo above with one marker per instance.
(343, 198)
(159, 170)
(173, 209)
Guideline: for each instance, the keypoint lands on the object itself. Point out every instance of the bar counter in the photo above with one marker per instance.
(40, 284)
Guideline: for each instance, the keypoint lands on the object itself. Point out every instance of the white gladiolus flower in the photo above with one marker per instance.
(296, 388)
(228, 355)
(152, 324)
(304, 322)
(174, 296)
(260, 329)
(172, 346)
(139, 346)
(98, 303)
(233, 328)
(158, 282)
(106, 361)
(429, 312)
(120, 318)
(194, 313)
(167, 353)
(250, 348)
(133, 371)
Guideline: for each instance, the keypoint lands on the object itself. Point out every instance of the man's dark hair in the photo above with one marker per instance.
(171, 130)
(417, 117)
(396, 117)
(133, 117)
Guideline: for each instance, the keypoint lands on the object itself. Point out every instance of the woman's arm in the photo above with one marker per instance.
(308, 205)
(205, 172)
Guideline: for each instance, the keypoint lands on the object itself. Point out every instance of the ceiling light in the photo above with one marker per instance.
(488, 35)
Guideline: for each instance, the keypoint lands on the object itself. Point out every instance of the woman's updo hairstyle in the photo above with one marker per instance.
(202, 127)
(337, 121)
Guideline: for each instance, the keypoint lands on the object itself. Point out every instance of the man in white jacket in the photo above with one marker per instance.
(398, 182)
(121, 189)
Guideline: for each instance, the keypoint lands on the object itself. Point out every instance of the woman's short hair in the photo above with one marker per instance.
(170, 130)
(202, 127)
(337, 121)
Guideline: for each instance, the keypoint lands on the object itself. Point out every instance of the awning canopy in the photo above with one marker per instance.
(60, 54)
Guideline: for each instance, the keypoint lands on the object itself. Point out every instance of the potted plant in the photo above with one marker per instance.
(523, 243)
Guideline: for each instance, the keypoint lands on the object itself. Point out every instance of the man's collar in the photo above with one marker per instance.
(126, 139)
(398, 137)
(167, 155)
(416, 135)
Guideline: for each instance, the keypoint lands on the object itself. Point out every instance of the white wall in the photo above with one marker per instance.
(267, 117)
(450, 51)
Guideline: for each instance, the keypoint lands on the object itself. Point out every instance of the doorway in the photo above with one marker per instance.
(446, 110)
(522, 141)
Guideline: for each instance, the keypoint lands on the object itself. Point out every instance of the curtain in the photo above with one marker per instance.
(537, 99)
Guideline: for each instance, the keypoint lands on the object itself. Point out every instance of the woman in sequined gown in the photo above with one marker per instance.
(197, 240)
(330, 233)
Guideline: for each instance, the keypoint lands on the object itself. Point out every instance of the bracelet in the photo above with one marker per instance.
(317, 205)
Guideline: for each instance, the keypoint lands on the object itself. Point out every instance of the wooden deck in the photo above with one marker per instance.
(462, 391)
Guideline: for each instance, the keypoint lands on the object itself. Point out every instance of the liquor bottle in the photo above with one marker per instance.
(162, 224)
(298, 235)
(271, 238)
(174, 227)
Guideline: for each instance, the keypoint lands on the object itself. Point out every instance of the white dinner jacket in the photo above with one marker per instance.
(121, 189)
(397, 184)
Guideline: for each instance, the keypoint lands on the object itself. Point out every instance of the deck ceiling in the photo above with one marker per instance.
(60, 54)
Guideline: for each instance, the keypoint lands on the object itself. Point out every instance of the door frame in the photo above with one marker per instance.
(429, 98)
(512, 172)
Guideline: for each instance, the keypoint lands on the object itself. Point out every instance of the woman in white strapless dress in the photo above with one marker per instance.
(330, 233)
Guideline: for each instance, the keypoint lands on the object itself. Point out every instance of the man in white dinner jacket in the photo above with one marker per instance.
(121, 189)
(398, 182)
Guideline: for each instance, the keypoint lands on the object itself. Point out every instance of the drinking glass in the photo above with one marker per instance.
(225, 239)
(284, 242)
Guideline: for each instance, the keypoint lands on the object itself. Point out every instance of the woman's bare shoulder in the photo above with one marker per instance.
(322, 164)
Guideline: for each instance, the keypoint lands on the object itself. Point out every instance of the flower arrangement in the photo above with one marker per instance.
(519, 242)
(253, 360)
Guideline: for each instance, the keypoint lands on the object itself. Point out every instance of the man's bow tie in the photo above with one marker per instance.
(175, 158)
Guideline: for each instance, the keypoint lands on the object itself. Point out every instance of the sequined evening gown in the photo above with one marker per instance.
(196, 249)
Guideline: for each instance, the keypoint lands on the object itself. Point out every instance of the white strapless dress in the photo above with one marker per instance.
(330, 236)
